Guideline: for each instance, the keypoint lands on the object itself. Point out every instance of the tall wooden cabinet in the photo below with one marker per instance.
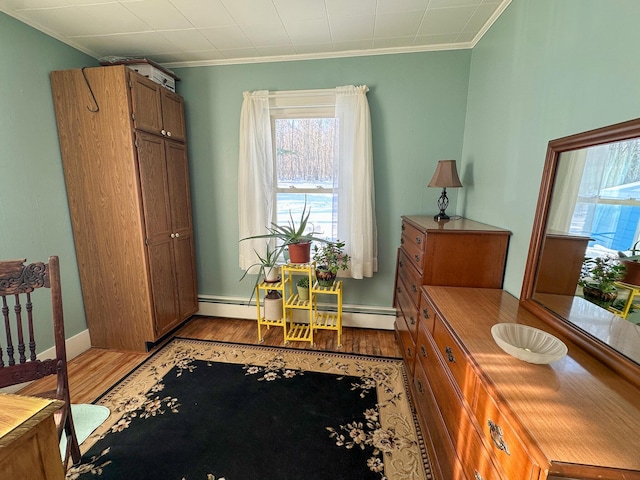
(122, 139)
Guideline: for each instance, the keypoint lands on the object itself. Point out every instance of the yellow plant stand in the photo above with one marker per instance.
(634, 291)
(301, 318)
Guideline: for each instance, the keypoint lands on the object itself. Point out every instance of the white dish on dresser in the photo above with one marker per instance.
(528, 343)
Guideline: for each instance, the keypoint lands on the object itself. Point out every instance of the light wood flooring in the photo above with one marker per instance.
(96, 370)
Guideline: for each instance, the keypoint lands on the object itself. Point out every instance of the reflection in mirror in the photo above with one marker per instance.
(589, 208)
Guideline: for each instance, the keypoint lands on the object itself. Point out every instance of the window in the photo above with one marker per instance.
(315, 145)
(304, 168)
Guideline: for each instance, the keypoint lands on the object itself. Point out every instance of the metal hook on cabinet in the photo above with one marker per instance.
(86, 80)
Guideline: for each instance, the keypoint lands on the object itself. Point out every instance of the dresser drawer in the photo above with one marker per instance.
(424, 354)
(508, 450)
(426, 312)
(454, 358)
(413, 241)
(406, 342)
(445, 393)
(410, 275)
(444, 459)
(476, 460)
(408, 308)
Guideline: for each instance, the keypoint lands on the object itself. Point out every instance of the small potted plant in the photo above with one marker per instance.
(303, 288)
(329, 257)
(268, 271)
(597, 279)
(632, 264)
(293, 236)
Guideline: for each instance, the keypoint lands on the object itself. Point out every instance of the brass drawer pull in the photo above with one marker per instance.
(423, 351)
(412, 320)
(420, 387)
(417, 257)
(401, 241)
(418, 240)
(425, 313)
(450, 356)
(477, 475)
(414, 288)
(401, 264)
(496, 436)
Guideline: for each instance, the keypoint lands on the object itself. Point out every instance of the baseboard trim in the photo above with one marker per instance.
(358, 316)
(75, 345)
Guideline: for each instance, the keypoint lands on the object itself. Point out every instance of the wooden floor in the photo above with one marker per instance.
(96, 370)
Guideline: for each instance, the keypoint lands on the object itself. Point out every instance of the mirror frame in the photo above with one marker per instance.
(616, 361)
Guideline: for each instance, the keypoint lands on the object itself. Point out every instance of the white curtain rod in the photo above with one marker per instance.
(303, 93)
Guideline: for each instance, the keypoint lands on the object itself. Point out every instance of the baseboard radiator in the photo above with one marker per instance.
(360, 316)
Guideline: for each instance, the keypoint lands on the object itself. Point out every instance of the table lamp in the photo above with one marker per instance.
(446, 175)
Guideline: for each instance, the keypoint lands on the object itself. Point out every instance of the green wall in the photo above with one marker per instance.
(34, 217)
(417, 103)
(545, 69)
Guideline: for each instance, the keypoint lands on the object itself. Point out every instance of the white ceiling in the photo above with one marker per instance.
(212, 32)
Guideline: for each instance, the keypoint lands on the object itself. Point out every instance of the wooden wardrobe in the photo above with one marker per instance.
(122, 140)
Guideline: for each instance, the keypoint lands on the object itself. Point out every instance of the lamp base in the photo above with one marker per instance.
(443, 203)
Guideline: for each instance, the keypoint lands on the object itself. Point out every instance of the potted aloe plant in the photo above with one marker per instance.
(293, 236)
(268, 271)
(329, 257)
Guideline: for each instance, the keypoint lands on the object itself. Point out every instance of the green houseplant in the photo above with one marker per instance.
(597, 279)
(268, 269)
(292, 236)
(329, 257)
(302, 286)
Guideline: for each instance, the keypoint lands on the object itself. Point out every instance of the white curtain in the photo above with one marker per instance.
(569, 174)
(354, 180)
(255, 175)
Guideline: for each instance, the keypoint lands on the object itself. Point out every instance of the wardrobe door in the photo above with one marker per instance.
(173, 115)
(158, 230)
(145, 102)
(182, 227)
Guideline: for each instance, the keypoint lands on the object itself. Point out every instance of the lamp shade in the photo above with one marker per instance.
(446, 175)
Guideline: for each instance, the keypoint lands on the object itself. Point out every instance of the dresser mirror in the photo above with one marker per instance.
(589, 205)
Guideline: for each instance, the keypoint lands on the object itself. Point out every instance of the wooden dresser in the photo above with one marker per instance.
(29, 447)
(487, 415)
(461, 253)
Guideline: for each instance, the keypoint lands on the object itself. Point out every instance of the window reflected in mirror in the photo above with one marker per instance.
(594, 219)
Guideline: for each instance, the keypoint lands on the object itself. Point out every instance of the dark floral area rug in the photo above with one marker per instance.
(200, 410)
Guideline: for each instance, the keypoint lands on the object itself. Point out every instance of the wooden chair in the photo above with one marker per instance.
(17, 285)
